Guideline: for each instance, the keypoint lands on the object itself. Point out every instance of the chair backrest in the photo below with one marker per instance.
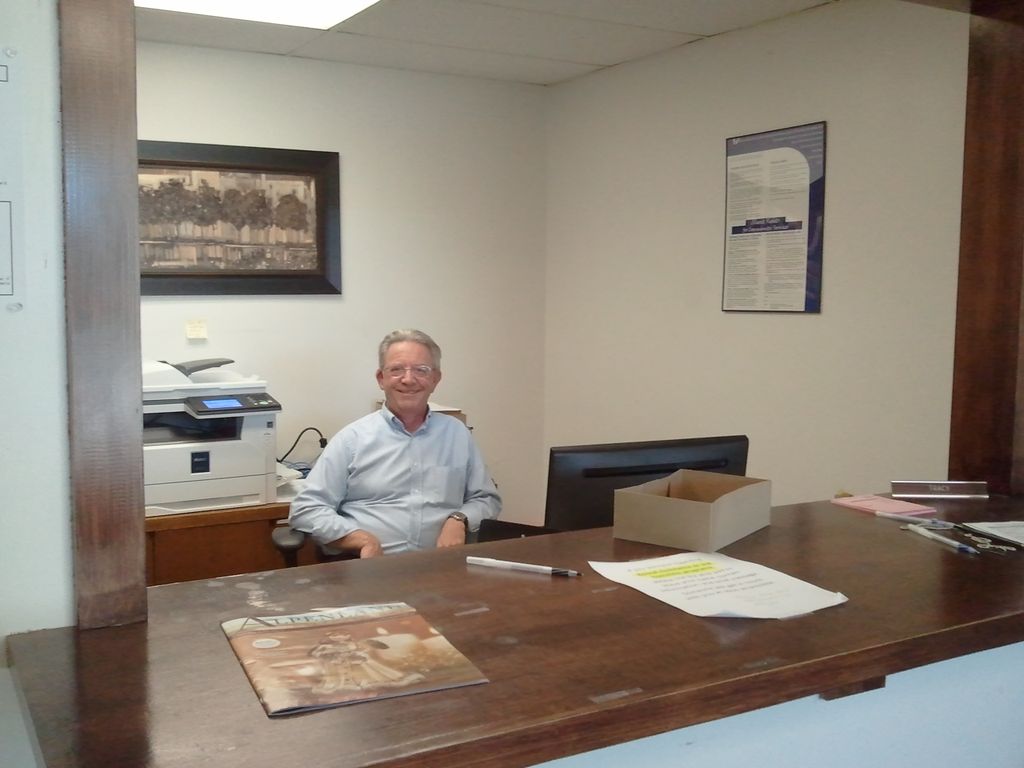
(582, 478)
(495, 530)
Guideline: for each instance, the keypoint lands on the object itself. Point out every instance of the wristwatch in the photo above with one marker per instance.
(461, 518)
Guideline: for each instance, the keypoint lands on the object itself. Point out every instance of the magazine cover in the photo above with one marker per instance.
(335, 656)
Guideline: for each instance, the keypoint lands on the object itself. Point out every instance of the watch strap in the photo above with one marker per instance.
(461, 518)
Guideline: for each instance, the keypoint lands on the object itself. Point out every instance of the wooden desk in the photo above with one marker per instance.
(574, 664)
(216, 542)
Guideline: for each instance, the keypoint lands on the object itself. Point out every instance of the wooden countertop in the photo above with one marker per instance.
(574, 664)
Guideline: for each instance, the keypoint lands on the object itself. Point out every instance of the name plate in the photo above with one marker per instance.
(939, 489)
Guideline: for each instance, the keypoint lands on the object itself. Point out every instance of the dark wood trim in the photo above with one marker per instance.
(986, 429)
(862, 686)
(97, 77)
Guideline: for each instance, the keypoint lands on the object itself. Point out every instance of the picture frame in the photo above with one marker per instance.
(230, 220)
(775, 220)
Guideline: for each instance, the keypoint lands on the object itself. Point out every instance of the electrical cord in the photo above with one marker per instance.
(323, 441)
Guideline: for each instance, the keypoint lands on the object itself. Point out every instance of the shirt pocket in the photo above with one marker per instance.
(444, 485)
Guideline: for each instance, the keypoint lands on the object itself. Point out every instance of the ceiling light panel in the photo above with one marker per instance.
(312, 14)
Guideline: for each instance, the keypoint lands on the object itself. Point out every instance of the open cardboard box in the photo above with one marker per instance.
(699, 511)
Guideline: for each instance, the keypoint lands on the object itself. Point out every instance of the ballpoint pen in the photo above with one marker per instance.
(958, 546)
(907, 518)
(510, 565)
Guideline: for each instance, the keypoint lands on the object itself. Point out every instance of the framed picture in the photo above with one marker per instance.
(217, 219)
(775, 220)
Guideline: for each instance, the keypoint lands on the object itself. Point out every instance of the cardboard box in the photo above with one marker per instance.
(699, 511)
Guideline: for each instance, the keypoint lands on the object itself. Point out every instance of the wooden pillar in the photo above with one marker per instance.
(987, 415)
(97, 75)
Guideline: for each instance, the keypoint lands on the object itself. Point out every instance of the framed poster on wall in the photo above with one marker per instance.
(774, 220)
(232, 220)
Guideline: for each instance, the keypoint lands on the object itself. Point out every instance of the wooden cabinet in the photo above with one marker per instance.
(222, 542)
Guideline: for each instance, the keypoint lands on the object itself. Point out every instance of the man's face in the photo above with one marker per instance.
(406, 390)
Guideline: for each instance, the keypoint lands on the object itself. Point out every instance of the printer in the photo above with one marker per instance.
(209, 437)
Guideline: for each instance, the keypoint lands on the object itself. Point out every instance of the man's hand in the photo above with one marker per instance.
(363, 542)
(453, 533)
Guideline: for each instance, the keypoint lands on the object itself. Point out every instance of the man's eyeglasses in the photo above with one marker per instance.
(417, 371)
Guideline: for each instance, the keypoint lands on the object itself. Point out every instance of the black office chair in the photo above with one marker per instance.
(582, 478)
(288, 542)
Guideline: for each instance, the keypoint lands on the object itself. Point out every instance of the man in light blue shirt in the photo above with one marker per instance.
(404, 477)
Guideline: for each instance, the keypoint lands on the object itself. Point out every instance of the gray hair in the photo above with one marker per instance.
(409, 334)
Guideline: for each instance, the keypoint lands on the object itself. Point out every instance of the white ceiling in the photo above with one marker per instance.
(529, 41)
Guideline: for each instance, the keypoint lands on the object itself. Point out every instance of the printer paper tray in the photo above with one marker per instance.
(198, 495)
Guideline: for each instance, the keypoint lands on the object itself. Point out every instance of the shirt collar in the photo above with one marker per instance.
(396, 422)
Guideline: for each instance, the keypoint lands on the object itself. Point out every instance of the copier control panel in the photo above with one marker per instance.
(219, 406)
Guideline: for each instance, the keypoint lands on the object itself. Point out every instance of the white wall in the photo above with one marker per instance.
(442, 228)
(637, 344)
(35, 534)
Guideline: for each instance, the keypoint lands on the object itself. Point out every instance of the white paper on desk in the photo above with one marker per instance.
(718, 585)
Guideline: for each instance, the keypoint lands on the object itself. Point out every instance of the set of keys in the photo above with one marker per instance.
(986, 544)
(930, 527)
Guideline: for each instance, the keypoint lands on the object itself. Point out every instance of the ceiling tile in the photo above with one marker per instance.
(695, 17)
(477, 26)
(214, 32)
(359, 49)
(530, 41)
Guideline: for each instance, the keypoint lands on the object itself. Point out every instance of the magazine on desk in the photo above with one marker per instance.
(335, 656)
